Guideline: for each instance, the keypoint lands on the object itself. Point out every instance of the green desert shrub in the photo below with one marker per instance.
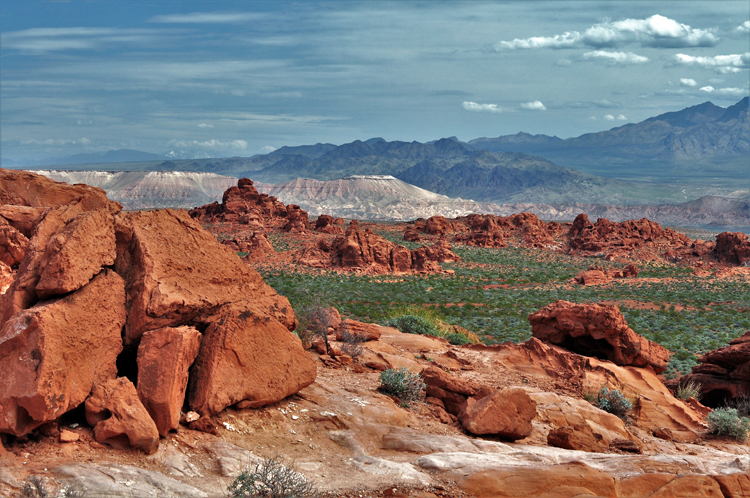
(727, 422)
(413, 324)
(272, 479)
(457, 339)
(405, 385)
(690, 390)
(614, 402)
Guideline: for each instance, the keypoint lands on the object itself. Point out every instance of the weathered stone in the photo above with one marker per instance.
(13, 245)
(579, 437)
(176, 272)
(51, 355)
(596, 330)
(662, 485)
(506, 413)
(77, 253)
(164, 356)
(732, 247)
(359, 330)
(247, 355)
(116, 413)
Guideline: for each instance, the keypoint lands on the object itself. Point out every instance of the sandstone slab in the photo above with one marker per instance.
(164, 357)
(506, 413)
(40, 346)
(119, 418)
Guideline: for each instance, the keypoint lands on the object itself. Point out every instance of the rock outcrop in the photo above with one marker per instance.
(329, 224)
(176, 272)
(599, 331)
(114, 411)
(247, 356)
(723, 374)
(164, 357)
(252, 247)
(53, 354)
(244, 205)
(732, 247)
(506, 413)
(366, 251)
(631, 236)
(452, 392)
(596, 275)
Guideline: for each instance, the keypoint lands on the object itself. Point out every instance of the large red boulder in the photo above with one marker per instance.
(51, 355)
(12, 245)
(22, 218)
(248, 356)
(484, 231)
(176, 272)
(243, 204)
(77, 253)
(164, 357)
(596, 330)
(506, 413)
(116, 413)
(452, 391)
(732, 247)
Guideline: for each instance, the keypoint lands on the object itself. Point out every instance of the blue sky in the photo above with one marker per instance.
(239, 78)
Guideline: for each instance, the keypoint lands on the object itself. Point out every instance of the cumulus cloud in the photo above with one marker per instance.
(744, 27)
(732, 63)
(209, 144)
(687, 82)
(736, 92)
(267, 149)
(205, 125)
(621, 117)
(533, 106)
(473, 106)
(616, 57)
(609, 117)
(708, 89)
(654, 31)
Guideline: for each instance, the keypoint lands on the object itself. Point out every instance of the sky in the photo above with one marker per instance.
(238, 78)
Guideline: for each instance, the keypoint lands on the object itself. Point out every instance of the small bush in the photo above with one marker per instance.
(405, 385)
(727, 422)
(457, 339)
(36, 487)
(690, 390)
(614, 402)
(272, 479)
(413, 324)
(352, 343)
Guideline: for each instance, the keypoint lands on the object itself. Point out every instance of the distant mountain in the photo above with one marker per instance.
(150, 189)
(371, 197)
(670, 146)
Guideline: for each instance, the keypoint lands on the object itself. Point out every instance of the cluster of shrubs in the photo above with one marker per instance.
(414, 320)
(403, 384)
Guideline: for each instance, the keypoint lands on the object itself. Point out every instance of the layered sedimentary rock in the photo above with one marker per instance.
(599, 331)
(366, 251)
(506, 413)
(256, 246)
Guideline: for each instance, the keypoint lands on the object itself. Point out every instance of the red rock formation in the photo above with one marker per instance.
(329, 224)
(733, 247)
(628, 236)
(596, 275)
(724, 373)
(360, 330)
(256, 245)
(506, 413)
(484, 232)
(176, 272)
(366, 251)
(52, 355)
(411, 234)
(596, 330)
(22, 218)
(450, 390)
(243, 204)
(577, 437)
(13, 245)
(436, 225)
(248, 356)
(77, 253)
(164, 357)
(115, 412)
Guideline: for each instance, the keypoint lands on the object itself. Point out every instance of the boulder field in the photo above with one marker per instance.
(130, 312)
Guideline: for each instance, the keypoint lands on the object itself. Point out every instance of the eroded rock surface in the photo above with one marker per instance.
(732, 247)
(506, 413)
(596, 330)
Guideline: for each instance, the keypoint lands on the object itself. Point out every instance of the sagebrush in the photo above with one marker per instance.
(272, 479)
(727, 422)
(405, 385)
(614, 402)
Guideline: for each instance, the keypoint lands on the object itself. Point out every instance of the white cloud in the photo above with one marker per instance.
(732, 63)
(744, 27)
(609, 117)
(687, 82)
(654, 31)
(267, 149)
(533, 106)
(209, 144)
(707, 89)
(58, 142)
(621, 117)
(616, 57)
(473, 106)
(738, 92)
(566, 40)
(209, 18)
(40, 40)
(205, 125)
